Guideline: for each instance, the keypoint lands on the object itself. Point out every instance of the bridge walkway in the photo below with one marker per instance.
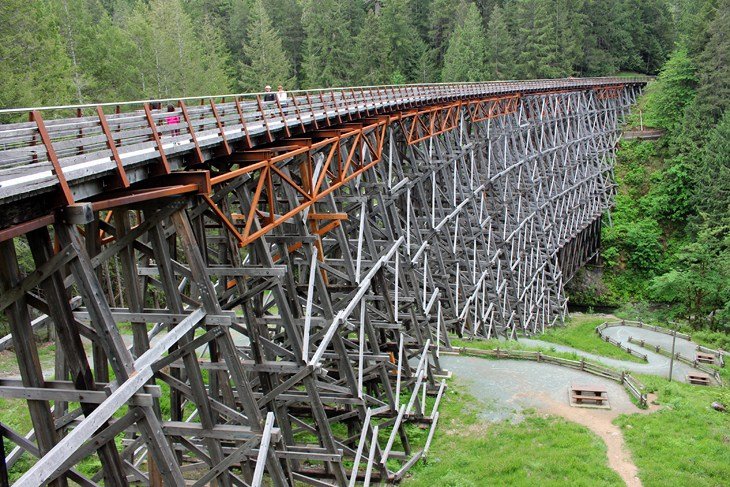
(87, 155)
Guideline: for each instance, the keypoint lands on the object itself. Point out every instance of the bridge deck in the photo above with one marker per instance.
(208, 128)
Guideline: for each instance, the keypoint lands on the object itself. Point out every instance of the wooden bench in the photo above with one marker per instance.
(595, 396)
(705, 358)
(698, 378)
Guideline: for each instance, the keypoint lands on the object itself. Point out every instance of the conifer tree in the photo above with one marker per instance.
(606, 40)
(237, 26)
(371, 68)
(533, 31)
(35, 67)
(570, 26)
(286, 18)
(465, 58)
(327, 59)
(400, 40)
(713, 95)
(500, 53)
(179, 61)
(267, 62)
(444, 15)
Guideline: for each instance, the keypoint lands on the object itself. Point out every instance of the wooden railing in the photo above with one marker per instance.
(75, 141)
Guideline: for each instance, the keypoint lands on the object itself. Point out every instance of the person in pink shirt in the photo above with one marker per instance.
(173, 119)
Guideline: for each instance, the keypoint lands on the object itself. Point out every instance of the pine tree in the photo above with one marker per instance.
(713, 95)
(237, 26)
(267, 61)
(372, 65)
(465, 58)
(650, 25)
(98, 50)
(570, 26)
(327, 59)
(402, 44)
(76, 28)
(286, 18)
(107, 64)
(35, 67)
(673, 91)
(534, 30)
(606, 40)
(145, 56)
(175, 62)
(500, 52)
(714, 174)
(444, 14)
(214, 60)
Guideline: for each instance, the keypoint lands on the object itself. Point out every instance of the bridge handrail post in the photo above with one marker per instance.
(221, 129)
(355, 104)
(111, 144)
(264, 118)
(311, 110)
(191, 131)
(283, 116)
(156, 138)
(35, 116)
(335, 104)
(298, 112)
(244, 125)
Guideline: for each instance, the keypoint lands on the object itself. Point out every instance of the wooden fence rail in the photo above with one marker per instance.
(678, 356)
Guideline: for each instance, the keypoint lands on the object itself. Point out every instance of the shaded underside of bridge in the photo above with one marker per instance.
(287, 272)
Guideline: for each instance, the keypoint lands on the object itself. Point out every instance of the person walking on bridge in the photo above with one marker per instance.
(268, 95)
(172, 119)
(282, 96)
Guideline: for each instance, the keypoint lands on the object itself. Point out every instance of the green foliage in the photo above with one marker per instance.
(267, 62)
(56, 52)
(327, 59)
(713, 176)
(500, 46)
(35, 67)
(445, 16)
(606, 40)
(400, 42)
(686, 423)
(713, 339)
(174, 62)
(713, 93)
(669, 242)
(673, 91)
(465, 58)
(286, 17)
(699, 283)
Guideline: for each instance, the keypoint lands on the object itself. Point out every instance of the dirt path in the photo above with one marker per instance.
(619, 458)
(508, 386)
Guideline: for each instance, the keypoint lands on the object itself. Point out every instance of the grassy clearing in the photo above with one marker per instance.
(545, 451)
(580, 332)
(684, 443)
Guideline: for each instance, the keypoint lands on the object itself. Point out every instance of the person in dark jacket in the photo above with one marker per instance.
(269, 96)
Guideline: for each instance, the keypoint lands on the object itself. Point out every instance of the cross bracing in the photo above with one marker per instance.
(274, 304)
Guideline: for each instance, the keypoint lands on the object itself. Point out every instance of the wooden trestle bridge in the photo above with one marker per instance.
(262, 290)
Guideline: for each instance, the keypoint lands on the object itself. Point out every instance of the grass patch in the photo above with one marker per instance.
(580, 332)
(684, 443)
(545, 451)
